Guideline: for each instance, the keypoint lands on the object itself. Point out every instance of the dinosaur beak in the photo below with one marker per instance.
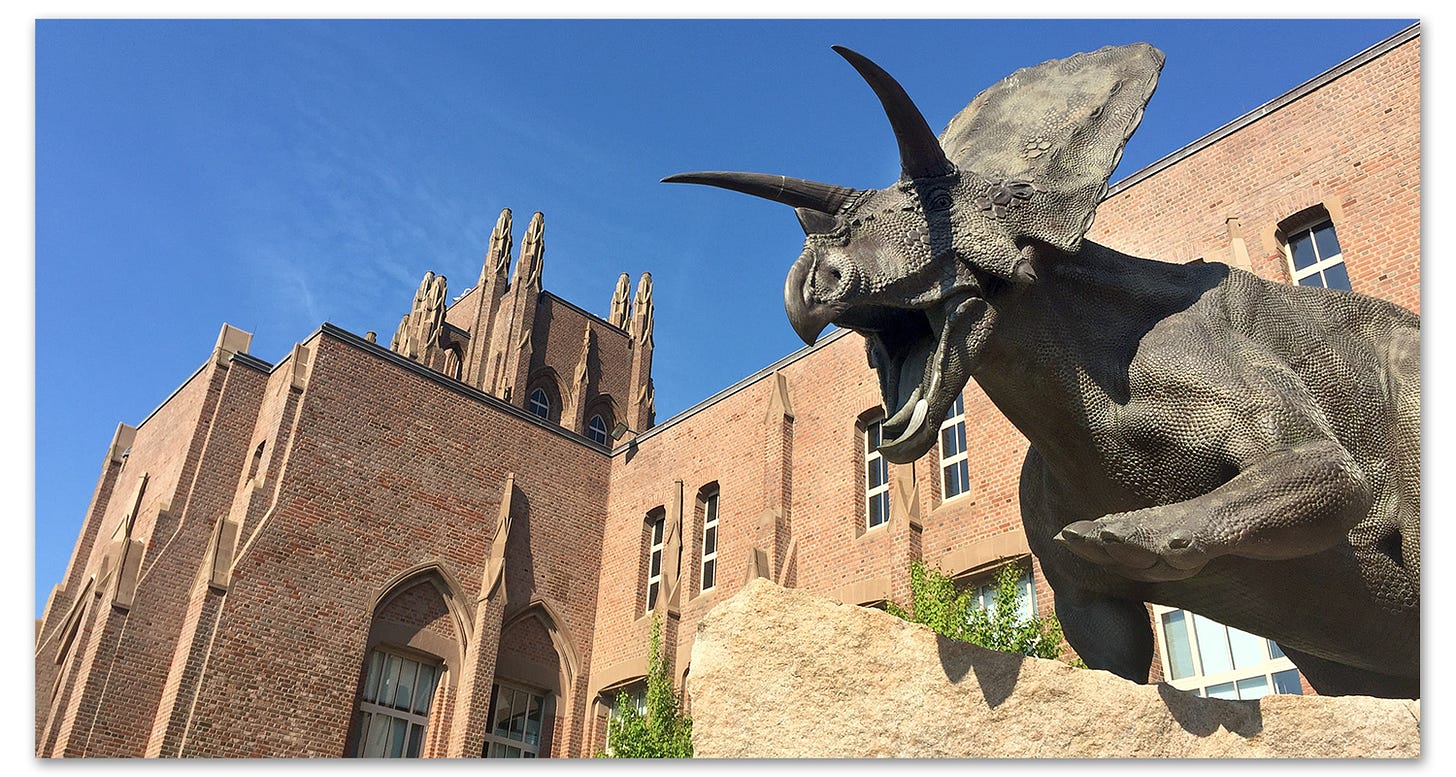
(807, 317)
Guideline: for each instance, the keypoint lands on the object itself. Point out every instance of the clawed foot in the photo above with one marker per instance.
(1135, 549)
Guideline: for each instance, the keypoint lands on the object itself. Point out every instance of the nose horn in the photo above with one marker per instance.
(807, 317)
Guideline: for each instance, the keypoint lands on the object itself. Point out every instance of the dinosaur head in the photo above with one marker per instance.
(921, 267)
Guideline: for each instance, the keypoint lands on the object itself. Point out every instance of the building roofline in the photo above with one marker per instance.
(440, 378)
(736, 387)
(1359, 60)
(568, 303)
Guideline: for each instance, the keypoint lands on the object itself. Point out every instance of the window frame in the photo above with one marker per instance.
(544, 401)
(657, 528)
(527, 750)
(953, 420)
(871, 456)
(367, 711)
(711, 499)
(606, 434)
(1198, 682)
(1305, 227)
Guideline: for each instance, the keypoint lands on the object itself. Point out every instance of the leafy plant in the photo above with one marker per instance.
(957, 613)
(663, 730)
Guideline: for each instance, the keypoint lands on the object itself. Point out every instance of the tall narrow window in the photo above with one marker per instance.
(710, 541)
(515, 720)
(596, 430)
(540, 404)
(395, 706)
(877, 478)
(654, 560)
(955, 468)
(1315, 258)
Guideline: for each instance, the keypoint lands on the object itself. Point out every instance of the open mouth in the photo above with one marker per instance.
(921, 359)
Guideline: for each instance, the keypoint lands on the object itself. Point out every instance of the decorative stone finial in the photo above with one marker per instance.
(528, 269)
(620, 301)
(498, 255)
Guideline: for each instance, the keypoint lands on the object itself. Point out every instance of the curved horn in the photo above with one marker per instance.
(796, 192)
(920, 153)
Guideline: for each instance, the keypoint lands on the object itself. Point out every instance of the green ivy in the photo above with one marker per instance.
(664, 731)
(957, 613)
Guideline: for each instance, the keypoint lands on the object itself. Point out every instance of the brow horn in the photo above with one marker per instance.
(920, 153)
(795, 192)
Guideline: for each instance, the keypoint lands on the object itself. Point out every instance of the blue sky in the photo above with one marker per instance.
(277, 174)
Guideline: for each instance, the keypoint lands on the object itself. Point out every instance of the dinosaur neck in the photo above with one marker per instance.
(1062, 345)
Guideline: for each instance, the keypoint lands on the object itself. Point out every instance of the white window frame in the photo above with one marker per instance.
(873, 431)
(986, 592)
(539, 404)
(596, 429)
(654, 558)
(1321, 263)
(494, 742)
(710, 524)
(1200, 683)
(385, 667)
(636, 693)
(955, 417)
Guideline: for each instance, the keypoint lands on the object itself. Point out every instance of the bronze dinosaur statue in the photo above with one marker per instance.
(1200, 437)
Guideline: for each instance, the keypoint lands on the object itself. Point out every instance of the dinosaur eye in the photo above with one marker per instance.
(938, 199)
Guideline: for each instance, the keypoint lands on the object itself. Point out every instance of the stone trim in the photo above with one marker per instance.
(985, 554)
(875, 589)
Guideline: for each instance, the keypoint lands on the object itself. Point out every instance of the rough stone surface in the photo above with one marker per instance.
(767, 659)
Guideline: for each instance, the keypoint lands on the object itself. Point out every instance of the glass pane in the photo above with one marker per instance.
(872, 437)
(528, 754)
(874, 473)
(533, 720)
(657, 531)
(391, 679)
(416, 738)
(501, 717)
(877, 514)
(1275, 651)
(948, 442)
(655, 568)
(1223, 691)
(1175, 636)
(963, 468)
(426, 689)
(710, 573)
(952, 483)
(507, 751)
(378, 737)
(961, 435)
(710, 510)
(371, 681)
(1313, 279)
(1301, 248)
(1248, 649)
(518, 715)
(651, 595)
(710, 540)
(1337, 278)
(1325, 243)
(1287, 681)
(1253, 687)
(1024, 604)
(397, 729)
(405, 688)
(1213, 646)
(363, 734)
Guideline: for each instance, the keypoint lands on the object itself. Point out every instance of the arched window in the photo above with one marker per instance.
(710, 540)
(596, 430)
(1313, 250)
(540, 404)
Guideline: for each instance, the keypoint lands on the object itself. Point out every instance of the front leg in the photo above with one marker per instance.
(1292, 502)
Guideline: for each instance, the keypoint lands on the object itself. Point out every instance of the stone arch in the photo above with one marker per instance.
(538, 655)
(601, 405)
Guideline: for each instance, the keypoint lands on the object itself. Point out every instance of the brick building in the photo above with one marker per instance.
(365, 549)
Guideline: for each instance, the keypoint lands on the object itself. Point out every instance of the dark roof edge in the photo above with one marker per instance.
(497, 403)
(241, 358)
(736, 387)
(1365, 57)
